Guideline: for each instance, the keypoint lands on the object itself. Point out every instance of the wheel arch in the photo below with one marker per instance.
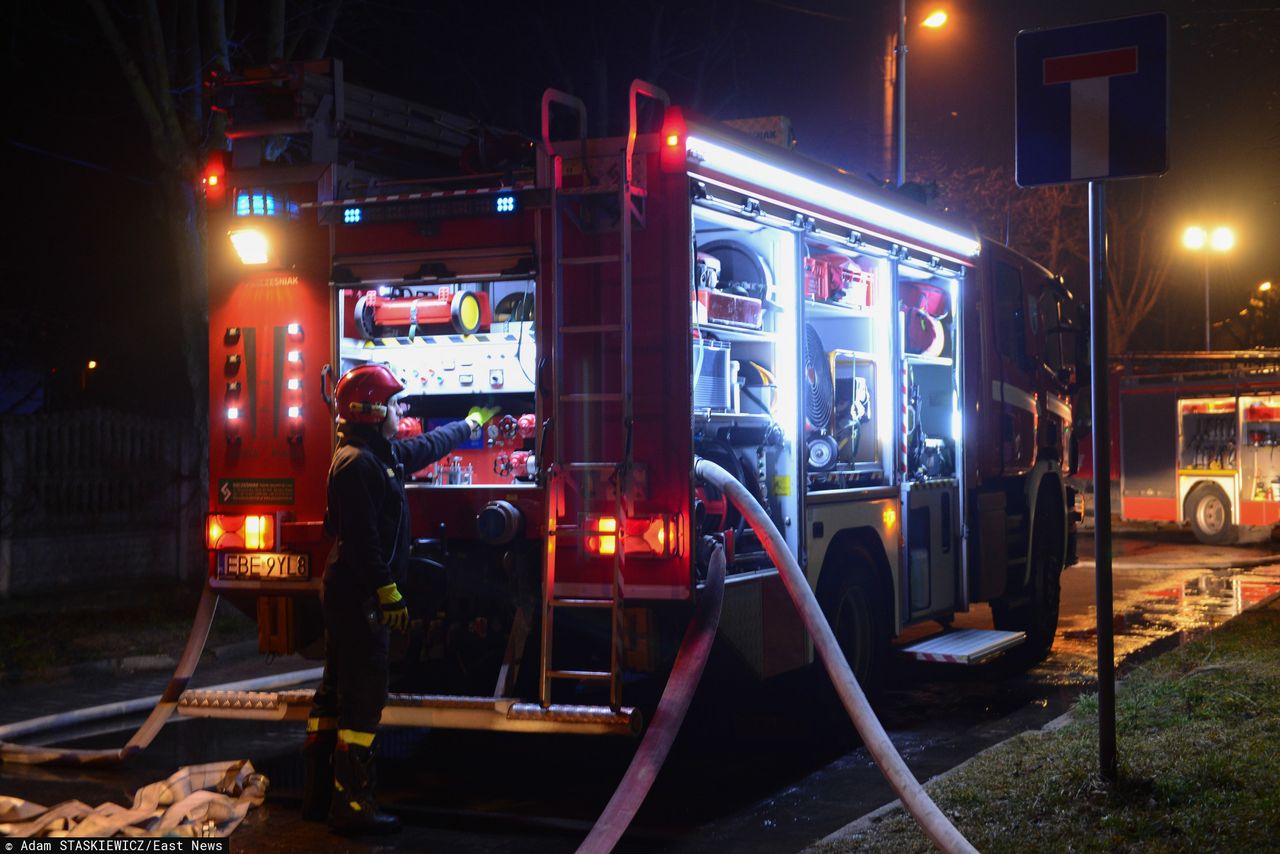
(1187, 486)
(836, 566)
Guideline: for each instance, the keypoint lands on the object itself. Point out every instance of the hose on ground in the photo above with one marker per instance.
(76, 717)
(686, 672)
(932, 821)
(162, 706)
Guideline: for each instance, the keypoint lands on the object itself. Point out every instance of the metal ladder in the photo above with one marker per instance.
(572, 463)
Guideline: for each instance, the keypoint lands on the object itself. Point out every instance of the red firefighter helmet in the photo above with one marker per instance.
(363, 393)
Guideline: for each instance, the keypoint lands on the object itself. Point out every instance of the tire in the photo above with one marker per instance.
(858, 616)
(1209, 511)
(1034, 610)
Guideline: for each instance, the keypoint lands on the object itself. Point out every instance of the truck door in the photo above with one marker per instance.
(929, 353)
(1015, 328)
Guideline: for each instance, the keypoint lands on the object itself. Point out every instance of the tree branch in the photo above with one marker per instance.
(189, 50)
(164, 102)
(132, 75)
(320, 41)
(275, 31)
(216, 33)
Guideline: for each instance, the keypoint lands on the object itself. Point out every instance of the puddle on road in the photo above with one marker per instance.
(1153, 609)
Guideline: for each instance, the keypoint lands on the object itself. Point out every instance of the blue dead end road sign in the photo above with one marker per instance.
(1093, 101)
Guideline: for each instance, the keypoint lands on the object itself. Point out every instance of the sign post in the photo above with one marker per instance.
(1092, 105)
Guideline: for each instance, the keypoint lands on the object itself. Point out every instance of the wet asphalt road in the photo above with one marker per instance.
(761, 772)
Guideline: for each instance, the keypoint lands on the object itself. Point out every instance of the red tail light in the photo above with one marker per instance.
(645, 536)
(673, 135)
(606, 541)
(253, 533)
(214, 179)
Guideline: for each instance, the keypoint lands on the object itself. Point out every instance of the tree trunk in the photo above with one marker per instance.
(186, 233)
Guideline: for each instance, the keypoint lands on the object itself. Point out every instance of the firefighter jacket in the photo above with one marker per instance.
(367, 510)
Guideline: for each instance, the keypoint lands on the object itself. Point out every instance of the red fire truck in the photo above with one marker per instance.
(890, 387)
(1198, 436)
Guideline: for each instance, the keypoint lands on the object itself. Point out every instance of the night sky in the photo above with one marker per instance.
(87, 268)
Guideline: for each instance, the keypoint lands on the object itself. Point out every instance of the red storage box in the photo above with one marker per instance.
(730, 309)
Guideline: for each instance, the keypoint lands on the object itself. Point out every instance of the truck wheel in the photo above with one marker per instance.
(858, 618)
(1209, 511)
(1035, 609)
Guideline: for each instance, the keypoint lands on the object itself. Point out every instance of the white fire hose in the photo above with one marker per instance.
(686, 672)
(935, 825)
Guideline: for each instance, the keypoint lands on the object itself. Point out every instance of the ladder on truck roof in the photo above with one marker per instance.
(571, 498)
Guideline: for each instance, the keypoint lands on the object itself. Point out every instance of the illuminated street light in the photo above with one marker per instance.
(93, 365)
(1196, 238)
(897, 47)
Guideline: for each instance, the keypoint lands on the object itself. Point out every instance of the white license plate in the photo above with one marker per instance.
(263, 566)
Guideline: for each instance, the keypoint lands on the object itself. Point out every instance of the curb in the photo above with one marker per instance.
(1227, 563)
(866, 821)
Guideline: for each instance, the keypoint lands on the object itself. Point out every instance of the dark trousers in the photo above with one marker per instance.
(354, 686)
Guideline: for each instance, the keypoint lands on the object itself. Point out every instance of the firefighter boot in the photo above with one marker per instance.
(353, 811)
(317, 773)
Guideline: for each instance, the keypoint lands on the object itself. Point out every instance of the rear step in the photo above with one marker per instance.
(965, 646)
(446, 711)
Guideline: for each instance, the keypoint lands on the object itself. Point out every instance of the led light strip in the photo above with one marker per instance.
(732, 163)
(402, 197)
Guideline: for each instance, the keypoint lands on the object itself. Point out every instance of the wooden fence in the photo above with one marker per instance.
(96, 498)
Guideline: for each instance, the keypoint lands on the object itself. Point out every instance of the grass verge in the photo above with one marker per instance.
(1198, 735)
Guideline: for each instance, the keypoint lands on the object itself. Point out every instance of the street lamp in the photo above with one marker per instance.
(1196, 239)
(897, 47)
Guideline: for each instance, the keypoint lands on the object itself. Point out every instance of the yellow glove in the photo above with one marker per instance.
(394, 613)
(480, 415)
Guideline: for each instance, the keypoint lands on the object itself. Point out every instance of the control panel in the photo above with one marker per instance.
(454, 364)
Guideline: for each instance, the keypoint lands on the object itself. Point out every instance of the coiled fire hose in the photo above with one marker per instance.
(935, 825)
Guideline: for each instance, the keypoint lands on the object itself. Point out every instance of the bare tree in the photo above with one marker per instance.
(1045, 223)
(677, 45)
(1050, 225)
(1139, 260)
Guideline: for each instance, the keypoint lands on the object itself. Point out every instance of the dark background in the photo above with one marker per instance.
(88, 269)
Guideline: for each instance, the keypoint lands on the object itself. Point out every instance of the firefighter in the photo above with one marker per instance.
(368, 515)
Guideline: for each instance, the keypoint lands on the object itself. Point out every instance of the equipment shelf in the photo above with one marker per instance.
(732, 416)
(945, 361)
(736, 333)
(813, 308)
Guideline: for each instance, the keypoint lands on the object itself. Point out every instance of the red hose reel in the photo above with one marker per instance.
(466, 312)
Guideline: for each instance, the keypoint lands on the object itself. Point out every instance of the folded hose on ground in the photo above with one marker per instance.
(935, 825)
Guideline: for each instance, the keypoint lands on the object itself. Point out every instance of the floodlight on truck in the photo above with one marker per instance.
(252, 245)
